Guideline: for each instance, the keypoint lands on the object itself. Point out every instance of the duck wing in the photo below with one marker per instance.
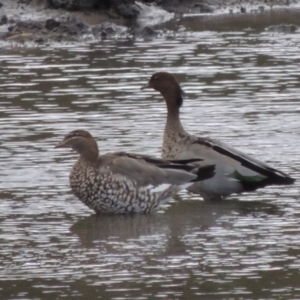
(147, 170)
(252, 173)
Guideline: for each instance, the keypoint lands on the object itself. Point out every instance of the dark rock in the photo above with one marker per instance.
(39, 40)
(59, 38)
(1, 4)
(148, 31)
(11, 28)
(72, 27)
(103, 30)
(204, 7)
(293, 28)
(284, 28)
(103, 34)
(80, 25)
(3, 20)
(26, 27)
(76, 25)
(74, 4)
(128, 11)
(110, 31)
(25, 1)
(65, 4)
(243, 9)
(51, 24)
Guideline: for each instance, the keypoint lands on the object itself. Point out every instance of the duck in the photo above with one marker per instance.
(236, 172)
(121, 183)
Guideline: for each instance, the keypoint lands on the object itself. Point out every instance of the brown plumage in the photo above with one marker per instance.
(126, 183)
(235, 171)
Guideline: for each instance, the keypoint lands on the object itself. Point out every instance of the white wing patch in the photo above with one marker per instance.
(159, 188)
(185, 186)
(165, 186)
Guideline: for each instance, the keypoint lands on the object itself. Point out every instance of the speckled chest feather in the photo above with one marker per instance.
(108, 193)
(173, 145)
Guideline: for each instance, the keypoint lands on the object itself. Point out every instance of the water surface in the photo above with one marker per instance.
(242, 86)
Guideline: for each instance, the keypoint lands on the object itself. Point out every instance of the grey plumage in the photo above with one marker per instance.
(235, 171)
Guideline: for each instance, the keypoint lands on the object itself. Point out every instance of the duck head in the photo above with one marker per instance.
(167, 85)
(82, 142)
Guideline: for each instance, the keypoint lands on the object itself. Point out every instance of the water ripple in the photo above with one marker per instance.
(241, 87)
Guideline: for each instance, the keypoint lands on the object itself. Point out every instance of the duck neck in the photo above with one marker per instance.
(173, 123)
(89, 154)
(173, 101)
(173, 133)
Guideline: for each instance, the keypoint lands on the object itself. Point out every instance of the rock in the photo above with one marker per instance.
(25, 1)
(204, 7)
(51, 24)
(103, 30)
(284, 28)
(3, 20)
(128, 11)
(11, 28)
(86, 4)
(108, 30)
(148, 31)
(60, 4)
(74, 4)
(1, 4)
(39, 40)
(77, 25)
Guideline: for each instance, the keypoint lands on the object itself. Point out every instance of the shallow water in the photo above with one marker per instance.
(242, 86)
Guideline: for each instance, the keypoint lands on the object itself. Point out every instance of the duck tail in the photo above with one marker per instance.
(275, 177)
(281, 178)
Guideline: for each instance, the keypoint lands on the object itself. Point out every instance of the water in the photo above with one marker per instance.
(242, 86)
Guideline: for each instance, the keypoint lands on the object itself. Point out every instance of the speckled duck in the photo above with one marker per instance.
(126, 183)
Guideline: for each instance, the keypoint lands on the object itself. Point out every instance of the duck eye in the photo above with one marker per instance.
(155, 78)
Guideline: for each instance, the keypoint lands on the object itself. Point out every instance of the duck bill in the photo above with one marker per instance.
(146, 86)
(61, 144)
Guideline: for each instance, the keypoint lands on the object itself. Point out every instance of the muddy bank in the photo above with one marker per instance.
(45, 21)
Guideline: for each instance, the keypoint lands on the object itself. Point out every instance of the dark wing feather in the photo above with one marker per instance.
(182, 164)
(274, 176)
(146, 170)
